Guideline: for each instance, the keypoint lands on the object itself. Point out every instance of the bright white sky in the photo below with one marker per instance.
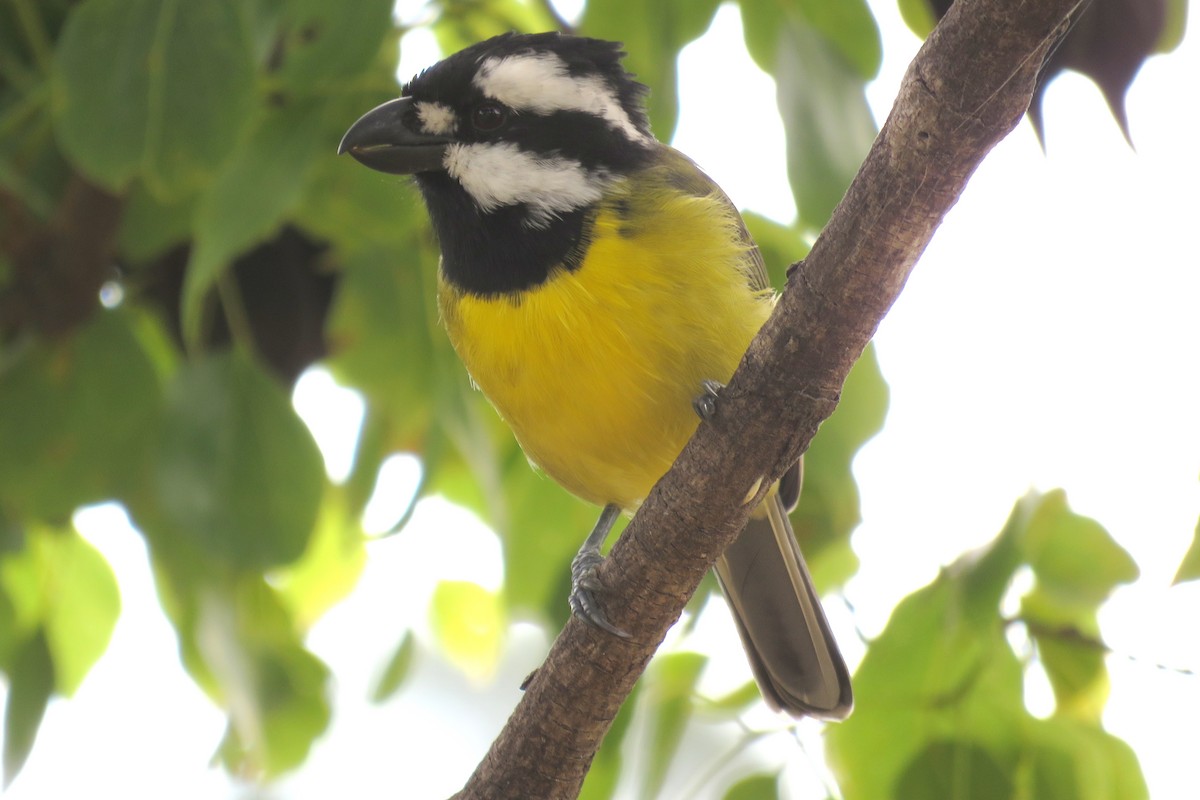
(1049, 338)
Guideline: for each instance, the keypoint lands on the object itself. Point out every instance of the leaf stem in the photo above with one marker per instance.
(240, 329)
(35, 34)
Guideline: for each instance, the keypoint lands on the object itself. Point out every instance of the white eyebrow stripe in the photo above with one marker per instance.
(501, 174)
(540, 83)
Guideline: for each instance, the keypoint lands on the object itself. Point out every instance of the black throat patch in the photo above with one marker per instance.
(497, 253)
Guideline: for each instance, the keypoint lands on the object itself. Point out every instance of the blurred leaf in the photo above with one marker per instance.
(780, 245)
(829, 503)
(918, 16)
(1189, 568)
(940, 706)
(602, 778)
(755, 787)
(174, 92)
(850, 27)
(542, 529)
(734, 703)
(464, 23)
(956, 768)
(384, 337)
(330, 566)
(653, 35)
(79, 419)
(828, 124)
(257, 186)
(150, 226)
(1173, 26)
(396, 670)
(30, 684)
(670, 687)
(71, 593)
(324, 45)
(469, 624)
(1076, 564)
(238, 472)
(274, 689)
(1073, 556)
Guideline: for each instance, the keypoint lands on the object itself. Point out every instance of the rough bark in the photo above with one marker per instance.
(967, 88)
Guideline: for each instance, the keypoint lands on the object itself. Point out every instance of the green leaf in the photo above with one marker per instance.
(238, 472)
(171, 98)
(150, 225)
(826, 119)
(850, 27)
(396, 670)
(1189, 568)
(941, 671)
(1072, 556)
(469, 623)
(79, 419)
(829, 502)
(323, 45)
(260, 183)
(918, 16)
(956, 769)
(653, 35)
(80, 603)
(274, 689)
(668, 694)
(330, 566)
(30, 684)
(755, 787)
(602, 778)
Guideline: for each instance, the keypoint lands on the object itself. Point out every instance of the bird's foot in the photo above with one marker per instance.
(705, 403)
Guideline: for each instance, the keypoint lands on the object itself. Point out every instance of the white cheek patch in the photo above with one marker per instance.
(540, 83)
(498, 175)
(436, 118)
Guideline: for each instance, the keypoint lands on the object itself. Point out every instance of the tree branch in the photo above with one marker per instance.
(967, 88)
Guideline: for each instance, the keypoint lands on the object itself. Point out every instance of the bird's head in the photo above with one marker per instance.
(529, 127)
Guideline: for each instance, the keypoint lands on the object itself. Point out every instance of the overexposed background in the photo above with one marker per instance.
(1050, 337)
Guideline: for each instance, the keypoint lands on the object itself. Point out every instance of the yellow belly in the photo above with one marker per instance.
(595, 370)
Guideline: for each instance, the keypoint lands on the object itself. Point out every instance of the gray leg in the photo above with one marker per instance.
(584, 585)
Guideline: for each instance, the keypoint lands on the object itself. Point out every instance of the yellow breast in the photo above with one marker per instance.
(595, 369)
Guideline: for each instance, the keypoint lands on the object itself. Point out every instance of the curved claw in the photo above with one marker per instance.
(584, 586)
(585, 589)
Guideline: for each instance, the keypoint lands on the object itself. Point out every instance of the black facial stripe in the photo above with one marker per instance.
(576, 135)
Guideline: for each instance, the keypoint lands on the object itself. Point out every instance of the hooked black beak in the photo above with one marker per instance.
(382, 140)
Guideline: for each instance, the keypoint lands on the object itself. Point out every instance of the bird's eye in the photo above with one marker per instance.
(489, 116)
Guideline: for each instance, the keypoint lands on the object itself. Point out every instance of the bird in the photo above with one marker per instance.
(600, 289)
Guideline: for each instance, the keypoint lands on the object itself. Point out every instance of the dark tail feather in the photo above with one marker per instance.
(779, 616)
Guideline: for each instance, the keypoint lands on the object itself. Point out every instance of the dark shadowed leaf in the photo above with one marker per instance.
(173, 94)
(259, 184)
(79, 418)
(238, 471)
